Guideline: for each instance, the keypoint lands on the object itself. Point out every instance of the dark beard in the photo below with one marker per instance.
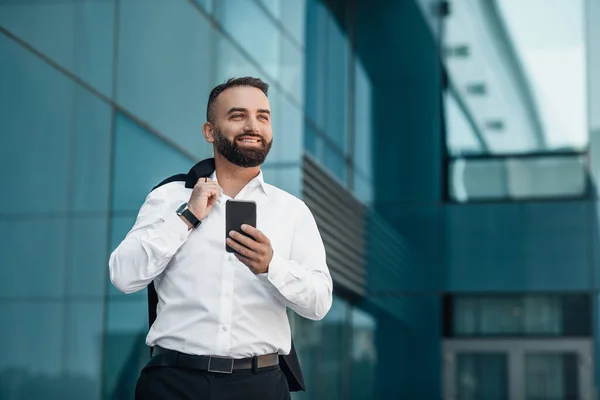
(246, 158)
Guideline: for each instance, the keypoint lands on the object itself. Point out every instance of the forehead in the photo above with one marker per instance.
(247, 97)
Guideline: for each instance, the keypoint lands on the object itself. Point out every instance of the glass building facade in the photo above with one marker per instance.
(448, 151)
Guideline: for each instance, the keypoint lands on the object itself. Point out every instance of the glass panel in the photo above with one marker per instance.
(363, 121)
(482, 376)
(364, 355)
(92, 152)
(549, 41)
(28, 271)
(288, 178)
(36, 105)
(207, 5)
(231, 63)
(292, 70)
(311, 141)
(461, 135)
(136, 171)
(77, 34)
(335, 163)
(84, 351)
(293, 16)
(551, 376)
(288, 126)
(260, 39)
(165, 72)
(334, 345)
(316, 52)
(125, 350)
(541, 315)
(517, 178)
(506, 63)
(337, 61)
(363, 188)
(31, 362)
(88, 258)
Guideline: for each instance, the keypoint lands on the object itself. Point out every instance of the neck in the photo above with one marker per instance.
(233, 178)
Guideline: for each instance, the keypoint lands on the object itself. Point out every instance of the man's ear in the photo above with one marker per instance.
(208, 132)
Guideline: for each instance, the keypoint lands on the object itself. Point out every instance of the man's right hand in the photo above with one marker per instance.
(206, 193)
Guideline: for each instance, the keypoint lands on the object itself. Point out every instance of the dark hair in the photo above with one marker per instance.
(233, 82)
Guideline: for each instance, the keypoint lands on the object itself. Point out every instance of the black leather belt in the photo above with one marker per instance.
(219, 364)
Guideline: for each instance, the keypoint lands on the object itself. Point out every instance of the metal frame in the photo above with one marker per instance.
(516, 349)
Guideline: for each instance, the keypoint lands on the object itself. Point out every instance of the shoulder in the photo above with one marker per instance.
(177, 179)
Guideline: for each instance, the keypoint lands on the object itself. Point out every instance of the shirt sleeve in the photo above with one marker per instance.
(303, 282)
(149, 246)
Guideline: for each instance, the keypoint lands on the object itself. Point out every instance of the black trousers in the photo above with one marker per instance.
(170, 383)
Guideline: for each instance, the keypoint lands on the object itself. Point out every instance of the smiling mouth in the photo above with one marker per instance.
(250, 140)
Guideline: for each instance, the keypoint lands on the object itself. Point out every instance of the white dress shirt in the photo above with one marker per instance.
(209, 302)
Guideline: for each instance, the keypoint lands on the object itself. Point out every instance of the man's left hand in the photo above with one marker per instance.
(255, 251)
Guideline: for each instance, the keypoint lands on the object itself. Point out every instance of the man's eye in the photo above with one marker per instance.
(264, 117)
(237, 116)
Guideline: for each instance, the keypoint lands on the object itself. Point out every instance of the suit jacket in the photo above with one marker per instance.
(289, 363)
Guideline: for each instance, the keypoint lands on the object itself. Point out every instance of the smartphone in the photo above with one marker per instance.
(237, 213)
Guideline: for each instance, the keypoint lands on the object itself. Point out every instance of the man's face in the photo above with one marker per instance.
(242, 130)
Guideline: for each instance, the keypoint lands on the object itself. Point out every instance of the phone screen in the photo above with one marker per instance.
(237, 213)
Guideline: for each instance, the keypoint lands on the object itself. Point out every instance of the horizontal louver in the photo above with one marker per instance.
(341, 221)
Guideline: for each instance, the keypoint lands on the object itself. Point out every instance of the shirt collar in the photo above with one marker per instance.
(258, 180)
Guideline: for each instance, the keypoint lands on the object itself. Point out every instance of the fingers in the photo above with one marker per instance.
(256, 234)
(245, 240)
(242, 250)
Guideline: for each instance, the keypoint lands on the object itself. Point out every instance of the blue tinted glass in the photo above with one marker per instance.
(316, 54)
(142, 161)
(292, 70)
(206, 4)
(363, 188)
(364, 355)
(92, 152)
(77, 34)
(362, 120)
(88, 266)
(288, 178)
(287, 123)
(33, 332)
(165, 73)
(84, 349)
(231, 63)
(32, 256)
(125, 351)
(36, 104)
(260, 39)
(310, 140)
(337, 84)
(334, 162)
(333, 348)
(293, 16)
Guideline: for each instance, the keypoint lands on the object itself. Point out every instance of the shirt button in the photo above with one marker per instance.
(225, 328)
(232, 257)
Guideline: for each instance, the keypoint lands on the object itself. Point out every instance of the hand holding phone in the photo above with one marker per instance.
(249, 245)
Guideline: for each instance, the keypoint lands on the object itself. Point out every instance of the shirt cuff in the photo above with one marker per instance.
(175, 228)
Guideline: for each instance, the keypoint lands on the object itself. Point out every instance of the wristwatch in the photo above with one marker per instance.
(185, 212)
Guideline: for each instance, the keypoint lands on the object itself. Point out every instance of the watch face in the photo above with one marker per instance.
(181, 208)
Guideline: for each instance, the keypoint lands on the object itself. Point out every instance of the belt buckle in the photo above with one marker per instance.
(220, 364)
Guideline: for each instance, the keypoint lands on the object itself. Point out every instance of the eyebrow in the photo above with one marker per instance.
(240, 109)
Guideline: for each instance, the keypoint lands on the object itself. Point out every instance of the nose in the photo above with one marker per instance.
(251, 125)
